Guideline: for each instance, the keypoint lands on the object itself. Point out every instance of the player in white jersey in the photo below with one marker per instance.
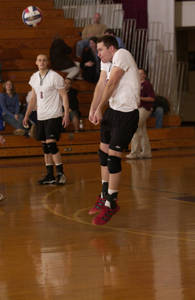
(119, 84)
(49, 95)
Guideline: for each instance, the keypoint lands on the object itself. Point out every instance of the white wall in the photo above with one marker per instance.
(162, 12)
(185, 14)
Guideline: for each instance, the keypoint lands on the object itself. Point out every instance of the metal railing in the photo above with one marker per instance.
(82, 11)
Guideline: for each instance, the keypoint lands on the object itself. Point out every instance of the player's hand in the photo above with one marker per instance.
(65, 120)
(89, 64)
(97, 117)
(25, 122)
(91, 115)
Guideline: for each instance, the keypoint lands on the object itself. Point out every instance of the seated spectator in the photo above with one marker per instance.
(1, 80)
(110, 31)
(1, 120)
(73, 104)
(60, 59)
(2, 141)
(9, 103)
(140, 144)
(96, 29)
(90, 62)
(160, 108)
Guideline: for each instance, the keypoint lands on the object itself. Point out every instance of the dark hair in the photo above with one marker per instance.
(109, 31)
(94, 39)
(108, 41)
(145, 72)
(12, 90)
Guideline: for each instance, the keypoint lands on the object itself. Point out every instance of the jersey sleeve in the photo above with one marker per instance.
(59, 82)
(122, 59)
(31, 81)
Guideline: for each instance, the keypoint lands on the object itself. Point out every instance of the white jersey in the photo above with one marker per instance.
(49, 102)
(126, 96)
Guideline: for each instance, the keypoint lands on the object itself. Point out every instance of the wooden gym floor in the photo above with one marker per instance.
(49, 250)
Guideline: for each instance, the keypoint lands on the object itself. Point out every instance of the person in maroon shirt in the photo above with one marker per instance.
(140, 144)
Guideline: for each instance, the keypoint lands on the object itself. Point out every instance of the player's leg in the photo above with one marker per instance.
(103, 156)
(49, 177)
(125, 125)
(53, 129)
(114, 174)
(40, 135)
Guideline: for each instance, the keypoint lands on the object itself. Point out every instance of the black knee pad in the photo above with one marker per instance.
(103, 158)
(45, 148)
(53, 149)
(114, 164)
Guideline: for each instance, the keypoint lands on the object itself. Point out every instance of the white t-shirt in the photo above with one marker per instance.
(126, 96)
(49, 103)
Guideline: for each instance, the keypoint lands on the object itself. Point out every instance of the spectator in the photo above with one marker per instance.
(1, 80)
(74, 113)
(160, 107)
(9, 103)
(1, 120)
(140, 145)
(96, 29)
(110, 31)
(90, 62)
(2, 141)
(60, 59)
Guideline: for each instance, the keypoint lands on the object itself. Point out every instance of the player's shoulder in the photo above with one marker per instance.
(54, 74)
(123, 55)
(122, 52)
(34, 75)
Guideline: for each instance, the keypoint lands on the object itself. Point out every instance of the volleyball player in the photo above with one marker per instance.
(48, 94)
(119, 85)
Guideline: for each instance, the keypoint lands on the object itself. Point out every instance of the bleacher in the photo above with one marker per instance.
(19, 46)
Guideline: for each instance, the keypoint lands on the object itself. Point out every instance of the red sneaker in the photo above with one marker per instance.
(105, 215)
(98, 206)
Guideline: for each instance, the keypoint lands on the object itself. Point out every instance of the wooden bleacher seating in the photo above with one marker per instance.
(19, 46)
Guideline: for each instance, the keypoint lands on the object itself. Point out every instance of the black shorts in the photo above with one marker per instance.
(49, 129)
(117, 128)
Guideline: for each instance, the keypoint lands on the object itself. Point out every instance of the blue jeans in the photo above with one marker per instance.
(158, 114)
(12, 121)
(80, 46)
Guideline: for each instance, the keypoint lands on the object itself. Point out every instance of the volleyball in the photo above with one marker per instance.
(32, 16)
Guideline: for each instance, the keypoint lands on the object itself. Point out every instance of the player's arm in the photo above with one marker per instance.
(115, 77)
(97, 95)
(31, 105)
(64, 96)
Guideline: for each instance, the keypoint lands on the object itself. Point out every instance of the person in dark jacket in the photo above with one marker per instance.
(60, 58)
(90, 62)
(9, 103)
(74, 113)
